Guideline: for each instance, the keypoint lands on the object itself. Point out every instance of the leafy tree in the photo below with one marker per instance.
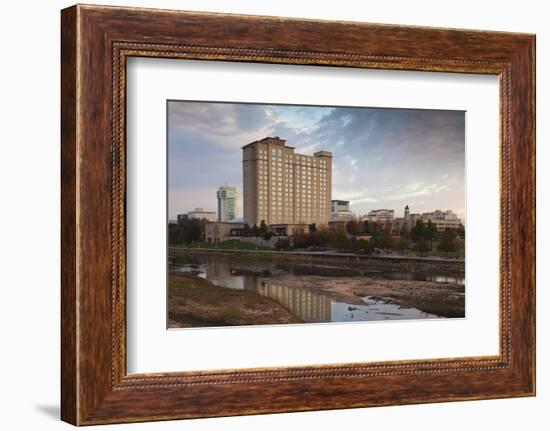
(306, 240)
(176, 234)
(422, 246)
(268, 235)
(255, 231)
(418, 232)
(402, 244)
(431, 232)
(193, 230)
(312, 228)
(335, 238)
(188, 231)
(460, 231)
(283, 244)
(364, 246)
(246, 229)
(263, 227)
(369, 227)
(424, 232)
(448, 242)
(382, 239)
(353, 227)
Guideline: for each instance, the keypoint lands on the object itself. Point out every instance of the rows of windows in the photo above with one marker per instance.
(298, 183)
(277, 154)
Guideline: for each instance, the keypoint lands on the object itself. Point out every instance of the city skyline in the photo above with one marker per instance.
(383, 158)
(396, 213)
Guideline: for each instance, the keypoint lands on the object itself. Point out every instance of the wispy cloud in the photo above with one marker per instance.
(382, 157)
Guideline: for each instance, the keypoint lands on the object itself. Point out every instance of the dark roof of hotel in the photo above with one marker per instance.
(274, 138)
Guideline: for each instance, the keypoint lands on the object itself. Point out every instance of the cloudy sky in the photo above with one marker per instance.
(383, 158)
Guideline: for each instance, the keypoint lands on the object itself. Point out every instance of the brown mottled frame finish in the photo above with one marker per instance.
(95, 43)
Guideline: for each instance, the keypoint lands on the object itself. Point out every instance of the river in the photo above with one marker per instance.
(311, 306)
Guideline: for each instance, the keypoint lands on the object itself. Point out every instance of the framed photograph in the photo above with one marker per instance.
(288, 251)
(263, 214)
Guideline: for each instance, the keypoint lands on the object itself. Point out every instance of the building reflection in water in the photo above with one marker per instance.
(309, 306)
(268, 279)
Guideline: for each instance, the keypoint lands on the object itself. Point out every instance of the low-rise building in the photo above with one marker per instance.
(201, 214)
(181, 218)
(405, 223)
(442, 219)
(220, 231)
(288, 229)
(382, 216)
(340, 210)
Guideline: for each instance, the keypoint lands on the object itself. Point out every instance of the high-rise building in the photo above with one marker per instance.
(284, 187)
(227, 203)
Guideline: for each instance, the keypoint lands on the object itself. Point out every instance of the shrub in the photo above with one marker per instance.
(283, 244)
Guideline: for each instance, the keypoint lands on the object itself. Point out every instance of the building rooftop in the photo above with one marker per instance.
(201, 210)
(323, 154)
(272, 139)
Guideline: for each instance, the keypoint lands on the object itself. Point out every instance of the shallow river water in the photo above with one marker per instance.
(309, 305)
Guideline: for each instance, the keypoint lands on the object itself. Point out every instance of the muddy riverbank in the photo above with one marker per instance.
(196, 302)
(209, 289)
(441, 299)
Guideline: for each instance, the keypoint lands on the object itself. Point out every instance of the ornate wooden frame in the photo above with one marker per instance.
(95, 42)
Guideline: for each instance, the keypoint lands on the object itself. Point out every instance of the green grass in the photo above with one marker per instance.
(232, 244)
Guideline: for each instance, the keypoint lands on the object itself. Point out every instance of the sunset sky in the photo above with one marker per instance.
(382, 158)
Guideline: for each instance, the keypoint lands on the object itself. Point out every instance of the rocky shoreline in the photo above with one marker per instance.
(441, 299)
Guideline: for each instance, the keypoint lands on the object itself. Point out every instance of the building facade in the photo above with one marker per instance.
(405, 223)
(284, 187)
(220, 231)
(442, 219)
(201, 214)
(340, 211)
(227, 203)
(380, 216)
(181, 218)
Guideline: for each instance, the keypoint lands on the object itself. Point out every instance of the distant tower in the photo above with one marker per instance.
(406, 213)
(227, 203)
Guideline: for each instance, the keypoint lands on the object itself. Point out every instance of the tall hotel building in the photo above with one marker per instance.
(282, 187)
